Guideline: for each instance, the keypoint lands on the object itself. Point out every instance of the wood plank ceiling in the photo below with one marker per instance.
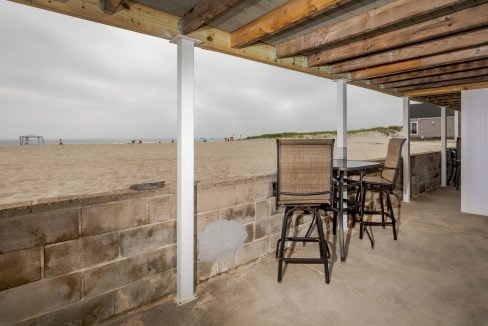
(429, 50)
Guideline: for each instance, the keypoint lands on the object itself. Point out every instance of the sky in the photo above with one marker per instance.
(63, 77)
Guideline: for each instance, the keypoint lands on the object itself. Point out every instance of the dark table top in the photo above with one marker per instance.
(352, 165)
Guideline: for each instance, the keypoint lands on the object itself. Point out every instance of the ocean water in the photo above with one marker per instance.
(105, 140)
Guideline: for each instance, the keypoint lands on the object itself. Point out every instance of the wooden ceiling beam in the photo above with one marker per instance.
(110, 6)
(431, 71)
(422, 63)
(204, 13)
(471, 80)
(285, 16)
(445, 89)
(450, 43)
(437, 78)
(453, 23)
(384, 16)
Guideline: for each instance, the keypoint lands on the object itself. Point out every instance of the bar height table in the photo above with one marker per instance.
(341, 167)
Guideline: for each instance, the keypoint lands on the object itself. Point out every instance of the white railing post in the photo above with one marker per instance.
(341, 119)
(443, 147)
(185, 166)
(341, 139)
(406, 149)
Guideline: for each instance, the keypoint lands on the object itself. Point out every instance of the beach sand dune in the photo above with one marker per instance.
(30, 173)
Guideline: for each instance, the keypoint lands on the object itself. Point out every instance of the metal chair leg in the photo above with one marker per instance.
(458, 177)
(310, 228)
(392, 215)
(382, 210)
(284, 229)
(323, 245)
(334, 223)
(361, 223)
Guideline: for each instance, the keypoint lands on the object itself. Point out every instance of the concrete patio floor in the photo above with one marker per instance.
(435, 274)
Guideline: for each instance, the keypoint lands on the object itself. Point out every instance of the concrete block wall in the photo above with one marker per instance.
(78, 262)
(237, 222)
(425, 172)
(83, 260)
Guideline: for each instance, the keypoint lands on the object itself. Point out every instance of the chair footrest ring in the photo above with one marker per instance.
(304, 260)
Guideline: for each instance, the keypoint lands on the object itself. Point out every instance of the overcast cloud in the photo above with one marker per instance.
(70, 78)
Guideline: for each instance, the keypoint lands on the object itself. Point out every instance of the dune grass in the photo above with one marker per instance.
(326, 134)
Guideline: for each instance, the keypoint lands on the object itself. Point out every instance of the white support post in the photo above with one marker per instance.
(342, 134)
(456, 125)
(341, 119)
(443, 147)
(185, 166)
(406, 150)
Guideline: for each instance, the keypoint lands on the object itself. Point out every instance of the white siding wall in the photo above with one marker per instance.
(474, 137)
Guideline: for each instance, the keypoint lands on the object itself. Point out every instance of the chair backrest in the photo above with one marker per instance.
(392, 161)
(304, 171)
(458, 148)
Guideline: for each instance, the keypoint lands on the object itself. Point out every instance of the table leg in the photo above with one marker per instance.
(341, 216)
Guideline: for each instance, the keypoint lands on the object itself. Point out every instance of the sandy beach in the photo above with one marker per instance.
(38, 172)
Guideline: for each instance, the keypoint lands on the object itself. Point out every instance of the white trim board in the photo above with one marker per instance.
(474, 151)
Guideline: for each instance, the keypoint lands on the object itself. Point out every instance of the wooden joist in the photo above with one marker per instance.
(384, 16)
(453, 23)
(149, 21)
(445, 89)
(450, 43)
(110, 6)
(205, 12)
(471, 80)
(422, 63)
(285, 16)
(438, 78)
(458, 67)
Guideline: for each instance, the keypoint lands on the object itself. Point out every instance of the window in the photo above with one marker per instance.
(414, 127)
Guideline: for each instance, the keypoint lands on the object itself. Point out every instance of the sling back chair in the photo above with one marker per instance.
(304, 184)
(383, 184)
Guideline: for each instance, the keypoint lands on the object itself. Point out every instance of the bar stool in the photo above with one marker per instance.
(304, 183)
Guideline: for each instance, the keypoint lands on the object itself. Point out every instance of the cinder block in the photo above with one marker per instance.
(252, 251)
(68, 256)
(145, 291)
(272, 241)
(216, 198)
(33, 230)
(161, 208)
(37, 298)
(250, 232)
(114, 275)
(20, 267)
(227, 261)
(205, 219)
(207, 269)
(87, 312)
(112, 216)
(265, 208)
(253, 192)
(221, 197)
(144, 238)
(243, 213)
(161, 260)
(267, 227)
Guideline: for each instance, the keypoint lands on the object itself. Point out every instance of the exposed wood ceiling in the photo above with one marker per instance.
(429, 50)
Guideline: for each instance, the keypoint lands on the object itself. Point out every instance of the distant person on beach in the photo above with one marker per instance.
(60, 141)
